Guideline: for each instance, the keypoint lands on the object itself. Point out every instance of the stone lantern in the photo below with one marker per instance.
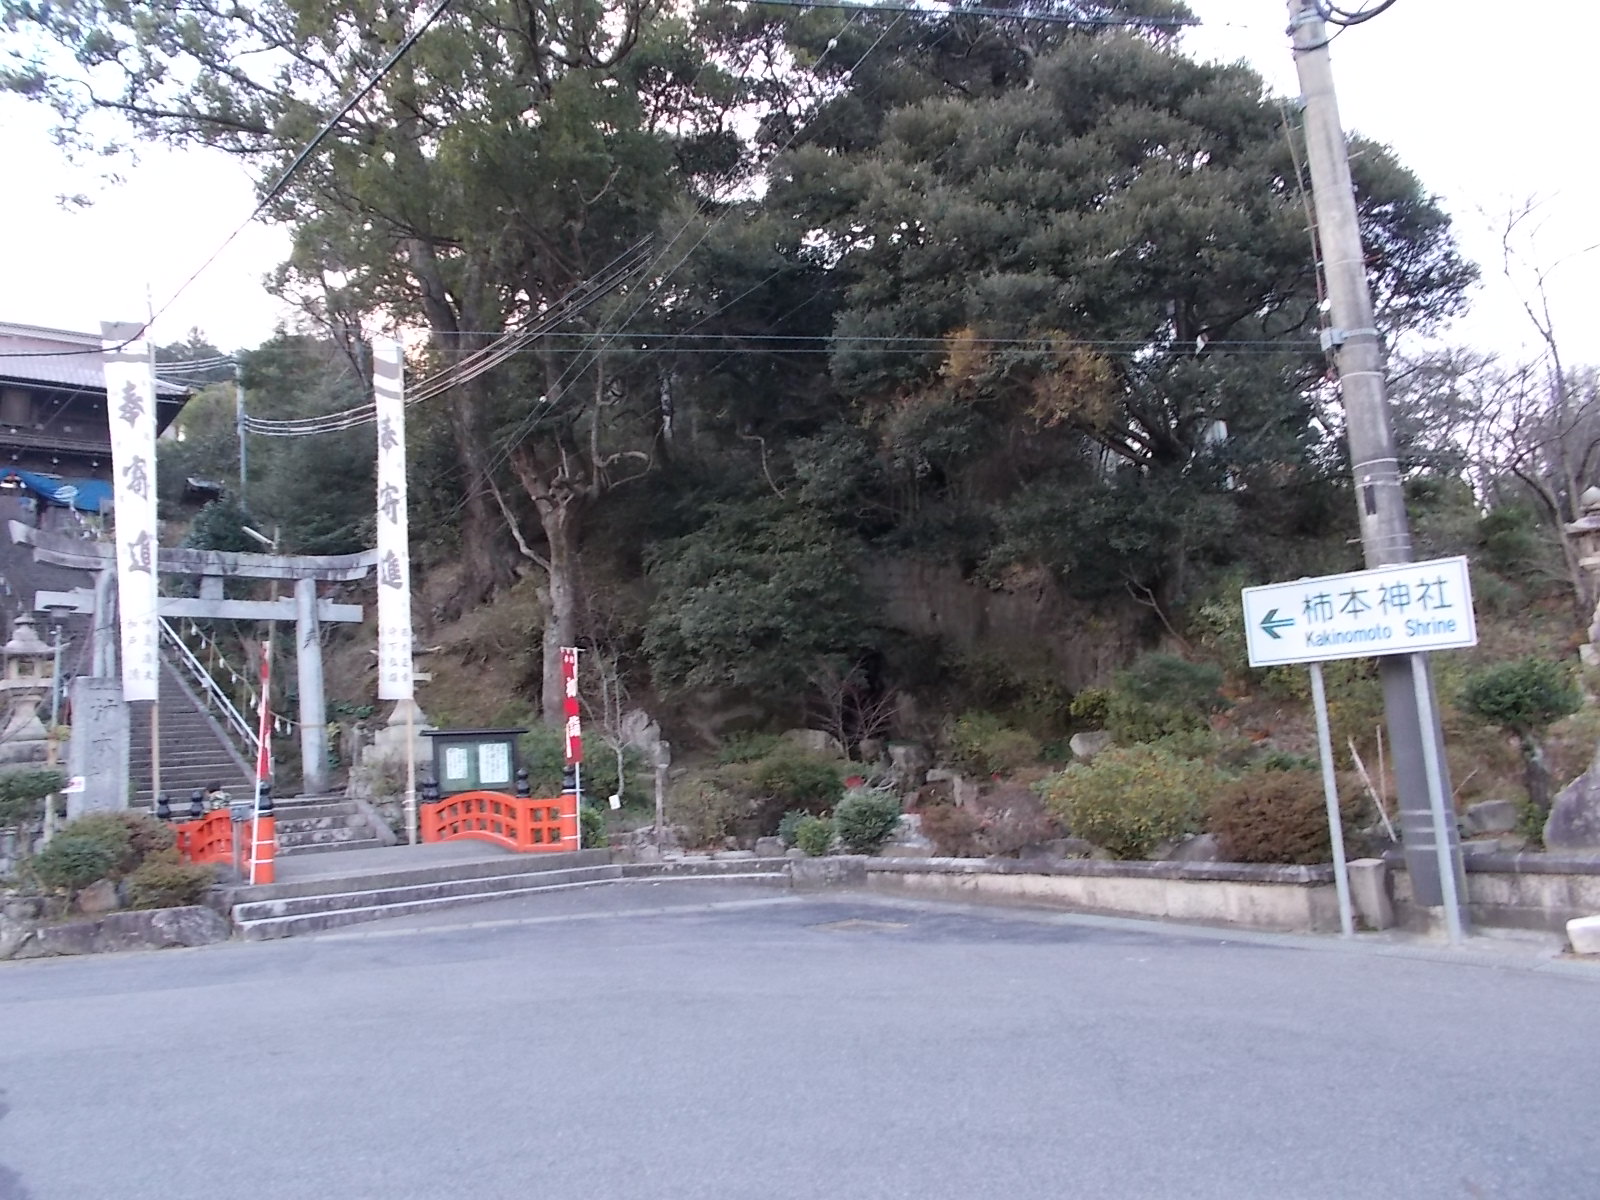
(29, 678)
(1585, 531)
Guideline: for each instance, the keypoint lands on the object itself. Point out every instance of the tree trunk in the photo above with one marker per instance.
(483, 555)
(1536, 775)
(559, 517)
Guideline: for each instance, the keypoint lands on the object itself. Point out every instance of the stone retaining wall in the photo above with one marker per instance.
(1293, 899)
(1512, 891)
(147, 929)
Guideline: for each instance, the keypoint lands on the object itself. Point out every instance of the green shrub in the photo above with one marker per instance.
(543, 757)
(600, 776)
(111, 835)
(1284, 760)
(163, 880)
(788, 823)
(748, 747)
(130, 836)
(982, 743)
(866, 820)
(1091, 707)
(1277, 816)
(1166, 679)
(1509, 542)
(704, 808)
(73, 861)
(22, 794)
(1130, 797)
(1523, 697)
(592, 827)
(814, 835)
(798, 781)
(1162, 695)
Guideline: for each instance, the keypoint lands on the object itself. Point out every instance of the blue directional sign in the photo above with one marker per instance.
(1400, 609)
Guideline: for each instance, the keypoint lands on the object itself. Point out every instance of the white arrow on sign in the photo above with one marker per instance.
(1400, 609)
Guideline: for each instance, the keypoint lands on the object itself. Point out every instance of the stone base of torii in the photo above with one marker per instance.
(213, 567)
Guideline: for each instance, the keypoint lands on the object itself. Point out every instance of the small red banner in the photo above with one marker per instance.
(569, 690)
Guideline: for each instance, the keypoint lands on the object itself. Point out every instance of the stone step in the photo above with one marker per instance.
(179, 790)
(358, 843)
(481, 868)
(186, 764)
(259, 920)
(320, 836)
(321, 817)
(185, 760)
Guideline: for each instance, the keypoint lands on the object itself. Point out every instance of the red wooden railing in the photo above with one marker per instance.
(217, 838)
(526, 825)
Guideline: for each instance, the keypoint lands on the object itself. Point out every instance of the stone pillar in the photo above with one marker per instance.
(98, 751)
(313, 705)
(390, 741)
(105, 624)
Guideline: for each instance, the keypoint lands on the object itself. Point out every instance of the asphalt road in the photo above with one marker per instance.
(710, 1040)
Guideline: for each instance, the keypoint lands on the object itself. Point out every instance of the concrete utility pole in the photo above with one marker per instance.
(238, 420)
(1380, 499)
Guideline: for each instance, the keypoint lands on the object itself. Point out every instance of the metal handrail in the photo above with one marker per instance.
(282, 726)
(211, 689)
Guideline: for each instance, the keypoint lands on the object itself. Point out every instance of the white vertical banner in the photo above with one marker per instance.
(394, 556)
(131, 409)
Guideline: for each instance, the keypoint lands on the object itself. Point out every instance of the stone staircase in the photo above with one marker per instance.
(195, 752)
(319, 824)
(313, 905)
(284, 909)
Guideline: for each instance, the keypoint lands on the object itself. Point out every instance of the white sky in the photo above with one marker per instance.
(1487, 107)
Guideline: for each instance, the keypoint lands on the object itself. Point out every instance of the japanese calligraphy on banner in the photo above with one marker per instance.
(131, 409)
(569, 692)
(1405, 608)
(394, 555)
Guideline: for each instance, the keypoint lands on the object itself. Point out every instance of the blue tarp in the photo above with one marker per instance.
(85, 495)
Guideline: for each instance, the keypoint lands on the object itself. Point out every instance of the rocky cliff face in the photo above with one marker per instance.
(1032, 619)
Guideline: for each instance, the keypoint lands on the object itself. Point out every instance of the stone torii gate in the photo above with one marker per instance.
(212, 567)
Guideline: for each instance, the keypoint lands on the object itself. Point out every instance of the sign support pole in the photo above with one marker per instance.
(155, 752)
(1442, 841)
(411, 773)
(577, 800)
(1330, 792)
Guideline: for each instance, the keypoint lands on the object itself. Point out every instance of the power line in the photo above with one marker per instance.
(997, 14)
(1041, 340)
(570, 305)
(1335, 15)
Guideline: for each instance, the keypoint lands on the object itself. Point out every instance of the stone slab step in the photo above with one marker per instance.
(321, 818)
(698, 866)
(261, 920)
(317, 816)
(336, 836)
(357, 843)
(479, 868)
(172, 781)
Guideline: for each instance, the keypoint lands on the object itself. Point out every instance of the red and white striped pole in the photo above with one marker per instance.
(573, 735)
(263, 753)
